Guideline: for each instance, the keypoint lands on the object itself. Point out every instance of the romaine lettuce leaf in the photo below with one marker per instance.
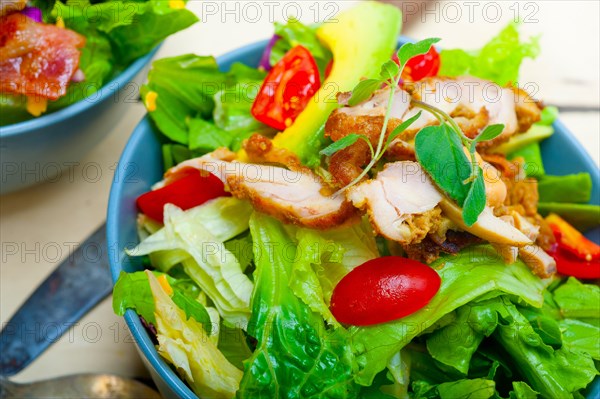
(323, 258)
(577, 300)
(201, 232)
(297, 356)
(455, 344)
(499, 60)
(185, 345)
(554, 373)
(467, 389)
(580, 336)
(465, 277)
(521, 390)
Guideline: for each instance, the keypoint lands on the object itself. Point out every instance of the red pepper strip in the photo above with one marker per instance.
(190, 191)
(570, 265)
(572, 240)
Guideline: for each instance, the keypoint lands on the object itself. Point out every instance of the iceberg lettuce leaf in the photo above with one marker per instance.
(201, 233)
(184, 343)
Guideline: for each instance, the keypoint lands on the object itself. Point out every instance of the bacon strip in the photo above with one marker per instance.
(37, 59)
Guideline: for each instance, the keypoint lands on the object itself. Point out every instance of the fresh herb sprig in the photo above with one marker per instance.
(389, 76)
(438, 148)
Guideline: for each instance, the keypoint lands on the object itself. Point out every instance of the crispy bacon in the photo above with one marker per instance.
(37, 59)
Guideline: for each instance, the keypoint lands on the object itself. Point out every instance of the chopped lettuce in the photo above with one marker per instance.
(132, 291)
(295, 33)
(133, 28)
(551, 372)
(296, 356)
(521, 390)
(578, 300)
(199, 106)
(568, 188)
(581, 216)
(184, 343)
(323, 258)
(201, 233)
(465, 277)
(499, 60)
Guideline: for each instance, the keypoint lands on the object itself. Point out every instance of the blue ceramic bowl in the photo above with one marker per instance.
(40, 149)
(140, 167)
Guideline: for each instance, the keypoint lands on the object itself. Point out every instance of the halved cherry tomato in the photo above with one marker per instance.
(383, 289)
(287, 89)
(421, 66)
(192, 189)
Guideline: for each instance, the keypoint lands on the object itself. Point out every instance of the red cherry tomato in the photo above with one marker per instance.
(190, 190)
(328, 68)
(287, 89)
(422, 66)
(382, 290)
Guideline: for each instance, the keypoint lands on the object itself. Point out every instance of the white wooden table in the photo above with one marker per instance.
(54, 215)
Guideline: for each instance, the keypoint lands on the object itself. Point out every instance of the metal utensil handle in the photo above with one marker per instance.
(74, 287)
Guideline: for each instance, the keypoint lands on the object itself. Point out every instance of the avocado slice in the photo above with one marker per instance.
(361, 40)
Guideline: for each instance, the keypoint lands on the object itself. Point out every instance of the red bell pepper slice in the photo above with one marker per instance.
(575, 255)
(194, 188)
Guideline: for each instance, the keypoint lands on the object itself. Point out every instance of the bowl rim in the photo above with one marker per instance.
(106, 91)
(140, 336)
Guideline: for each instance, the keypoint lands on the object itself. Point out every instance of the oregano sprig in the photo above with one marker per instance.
(389, 76)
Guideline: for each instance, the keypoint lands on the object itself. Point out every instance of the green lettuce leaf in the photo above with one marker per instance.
(295, 33)
(296, 356)
(201, 233)
(580, 336)
(568, 188)
(549, 371)
(522, 391)
(577, 300)
(456, 343)
(467, 389)
(499, 60)
(132, 291)
(323, 258)
(465, 277)
(184, 344)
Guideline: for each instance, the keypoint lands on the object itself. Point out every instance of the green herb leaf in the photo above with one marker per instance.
(475, 201)
(440, 153)
(344, 142)
(363, 91)
(410, 50)
(389, 70)
(489, 133)
(401, 128)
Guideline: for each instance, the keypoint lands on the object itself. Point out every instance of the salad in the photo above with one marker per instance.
(353, 220)
(55, 53)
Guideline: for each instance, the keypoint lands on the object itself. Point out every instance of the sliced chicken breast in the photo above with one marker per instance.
(401, 202)
(299, 197)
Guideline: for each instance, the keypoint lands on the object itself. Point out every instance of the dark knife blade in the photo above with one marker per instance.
(74, 287)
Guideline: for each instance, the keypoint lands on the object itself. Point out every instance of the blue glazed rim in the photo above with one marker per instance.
(140, 336)
(106, 91)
